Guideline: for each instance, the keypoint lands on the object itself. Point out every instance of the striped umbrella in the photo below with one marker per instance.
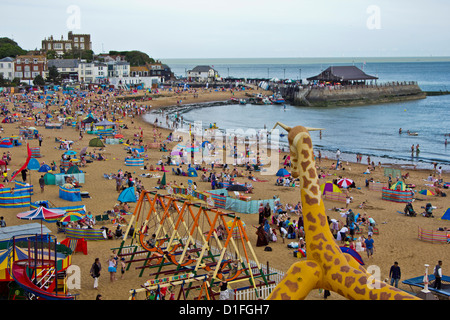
(344, 183)
(43, 214)
(72, 216)
(426, 192)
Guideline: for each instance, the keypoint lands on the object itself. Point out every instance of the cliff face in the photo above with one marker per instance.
(358, 95)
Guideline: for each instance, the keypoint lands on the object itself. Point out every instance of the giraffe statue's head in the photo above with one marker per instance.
(301, 149)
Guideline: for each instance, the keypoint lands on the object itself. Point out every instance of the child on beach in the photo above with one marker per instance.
(122, 267)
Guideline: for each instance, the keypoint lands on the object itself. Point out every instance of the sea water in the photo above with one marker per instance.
(371, 130)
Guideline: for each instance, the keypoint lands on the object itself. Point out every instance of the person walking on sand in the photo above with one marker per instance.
(395, 274)
(95, 271)
(438, 275)
(122, 267)
(42, 183)
(369, 246)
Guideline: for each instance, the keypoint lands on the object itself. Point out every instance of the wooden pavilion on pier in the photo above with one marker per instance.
(344, 75)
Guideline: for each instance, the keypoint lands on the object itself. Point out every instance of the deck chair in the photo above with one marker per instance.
(105, 217)
(98, 218)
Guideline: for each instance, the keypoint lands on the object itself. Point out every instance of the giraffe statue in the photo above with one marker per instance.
(326, 266)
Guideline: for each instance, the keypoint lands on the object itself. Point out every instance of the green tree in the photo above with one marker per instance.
(87, 55)
(134, 57)
(51, 54)
(10, 48)
(53, 75)
(39, 81)
(15, 82)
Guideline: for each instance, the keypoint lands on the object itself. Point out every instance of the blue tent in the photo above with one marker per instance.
(283, 173)
(33, 164)
(127, 195)
(192, 172)
(353, 253)
(446, 215)
(45, 168)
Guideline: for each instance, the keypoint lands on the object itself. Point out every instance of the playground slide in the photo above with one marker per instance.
(19, 274)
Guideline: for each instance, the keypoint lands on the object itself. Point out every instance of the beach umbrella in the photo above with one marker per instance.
(72, 216)
(283, 173)
(70, 152)
(427, 192)
(83, 151)
(329, 187)
(344, 183)
(42, 214)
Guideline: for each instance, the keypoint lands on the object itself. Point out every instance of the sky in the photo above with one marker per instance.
(237, 28)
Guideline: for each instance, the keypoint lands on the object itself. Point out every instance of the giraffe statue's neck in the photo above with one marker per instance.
(303, 164)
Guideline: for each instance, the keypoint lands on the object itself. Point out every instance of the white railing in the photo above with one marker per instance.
(251, 294)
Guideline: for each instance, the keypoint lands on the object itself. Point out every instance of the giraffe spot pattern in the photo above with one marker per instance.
(310, 200)
(305, 164)
(349, 281)
(292, 286)
(308, 142)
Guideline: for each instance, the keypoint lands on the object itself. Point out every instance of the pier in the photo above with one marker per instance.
(338, 95)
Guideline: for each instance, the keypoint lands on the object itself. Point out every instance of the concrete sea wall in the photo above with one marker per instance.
(357, 95)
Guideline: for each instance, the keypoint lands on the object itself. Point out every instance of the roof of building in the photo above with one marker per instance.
(201, 69)
(342, 73)
(139, 68)
(63, 63)
(7, 59)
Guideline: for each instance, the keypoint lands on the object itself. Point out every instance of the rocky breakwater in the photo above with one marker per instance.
(358, 94)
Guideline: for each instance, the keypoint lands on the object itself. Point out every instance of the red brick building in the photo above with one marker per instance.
(27, 67)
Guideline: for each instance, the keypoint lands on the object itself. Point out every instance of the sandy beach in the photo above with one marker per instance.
(397, 239)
